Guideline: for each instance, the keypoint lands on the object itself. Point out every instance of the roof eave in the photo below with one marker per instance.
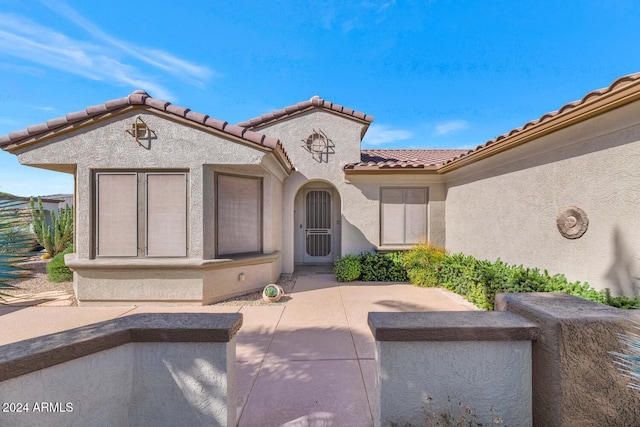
(367, 170)
(603, 103)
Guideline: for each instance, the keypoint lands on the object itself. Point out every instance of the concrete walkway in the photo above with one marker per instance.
(308, 362)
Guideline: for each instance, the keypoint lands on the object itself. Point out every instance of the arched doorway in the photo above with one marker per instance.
(317, 223)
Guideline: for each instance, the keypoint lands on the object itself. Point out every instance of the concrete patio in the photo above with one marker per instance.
(307, 362)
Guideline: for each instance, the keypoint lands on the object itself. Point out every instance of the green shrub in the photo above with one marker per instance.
(480, 281)
(387, 267)
(396, 271)
(57, 270)
(370, 267)
(347, 268)
(422, 264)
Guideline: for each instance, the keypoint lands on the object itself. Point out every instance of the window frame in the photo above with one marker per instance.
(141, 197)
(146, 214)
(260, 230)
(381, 217)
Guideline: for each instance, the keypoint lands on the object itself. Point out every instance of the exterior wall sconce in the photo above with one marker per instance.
(139, 129)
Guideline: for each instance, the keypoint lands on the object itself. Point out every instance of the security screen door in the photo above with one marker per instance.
(318, 231)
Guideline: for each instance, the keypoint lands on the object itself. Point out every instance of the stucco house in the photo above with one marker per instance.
(174, 206)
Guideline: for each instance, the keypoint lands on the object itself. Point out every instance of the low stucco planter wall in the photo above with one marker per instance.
(169, 281)
(140, 370)
(482, 359)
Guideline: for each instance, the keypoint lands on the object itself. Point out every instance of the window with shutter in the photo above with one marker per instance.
(403, 216)
(238, 214)
(141, 214)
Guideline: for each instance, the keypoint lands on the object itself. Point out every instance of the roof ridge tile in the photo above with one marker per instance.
(142, 98)
(314, 102)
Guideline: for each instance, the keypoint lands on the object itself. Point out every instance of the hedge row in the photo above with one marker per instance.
(480, 281)
(370, 267)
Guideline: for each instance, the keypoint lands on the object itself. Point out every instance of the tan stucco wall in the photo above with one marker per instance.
(174, 145)
(345, 135)
(506, 206)
(358, 195)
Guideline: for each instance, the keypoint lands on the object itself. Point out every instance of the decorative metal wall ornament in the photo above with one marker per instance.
(319, 145)
(139, 130)
(572, 222)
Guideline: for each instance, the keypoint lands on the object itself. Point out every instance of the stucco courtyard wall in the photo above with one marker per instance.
(506, 206)
(426, 363)
(145, 369)
(172, 145)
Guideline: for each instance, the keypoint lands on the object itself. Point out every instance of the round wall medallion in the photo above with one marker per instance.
(572, 222)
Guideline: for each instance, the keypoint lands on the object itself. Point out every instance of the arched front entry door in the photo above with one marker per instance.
(318, 223)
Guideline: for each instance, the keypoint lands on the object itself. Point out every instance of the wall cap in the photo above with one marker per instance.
(451, 326)
(34, 354)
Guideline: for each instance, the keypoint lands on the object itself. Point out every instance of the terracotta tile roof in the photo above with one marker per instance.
(588, 104)
(315, 102)
(138, 98)
(403, 159)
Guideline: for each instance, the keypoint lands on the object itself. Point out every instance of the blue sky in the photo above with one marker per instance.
(435, 74)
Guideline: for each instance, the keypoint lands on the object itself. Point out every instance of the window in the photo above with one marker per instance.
(238, 214)
(403, 216)
(141, 214)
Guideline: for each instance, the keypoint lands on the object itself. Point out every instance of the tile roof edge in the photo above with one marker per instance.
(314, 102)
(563, 117)
(142, 99)
(396, 164)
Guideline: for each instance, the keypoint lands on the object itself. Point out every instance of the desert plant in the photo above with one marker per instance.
(271, 291)
(57, 270)
(347, 268)
(629, 361)
(16, 241)
(58, 236)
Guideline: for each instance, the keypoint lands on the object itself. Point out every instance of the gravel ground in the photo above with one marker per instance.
(287, 281)
(37, 282)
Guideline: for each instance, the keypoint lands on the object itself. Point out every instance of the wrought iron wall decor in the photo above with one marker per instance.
(139, 130)
(572, 222)
(319, 145)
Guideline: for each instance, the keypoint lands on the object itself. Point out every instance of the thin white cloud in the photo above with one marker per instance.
(8, 122)
(154, 57)
(386, 5)
(449, 127)
(466, 147)
(383, 134)
(105, 58)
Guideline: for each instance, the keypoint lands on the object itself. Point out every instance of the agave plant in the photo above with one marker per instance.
(629, 361)
(16, 240)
